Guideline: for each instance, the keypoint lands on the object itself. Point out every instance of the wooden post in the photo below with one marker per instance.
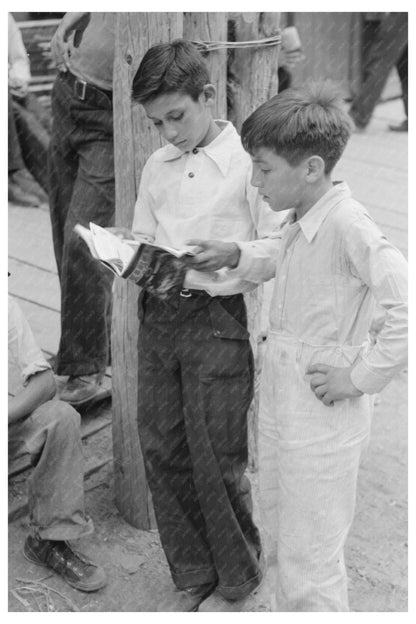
(254, 70)
(211, 27)
(134, 140)
(253, 76)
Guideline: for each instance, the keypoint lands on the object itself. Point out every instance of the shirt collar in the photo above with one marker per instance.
(314, 218)
(219, 150)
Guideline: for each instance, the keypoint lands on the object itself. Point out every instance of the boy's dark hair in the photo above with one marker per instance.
(300, 122)
(169, 67)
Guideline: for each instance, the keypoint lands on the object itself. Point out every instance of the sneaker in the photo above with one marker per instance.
(402, 127)
(185, 600)
(76, 569)
(81, 388)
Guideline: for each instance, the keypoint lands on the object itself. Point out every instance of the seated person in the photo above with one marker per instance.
(22, 188)
(49, 432)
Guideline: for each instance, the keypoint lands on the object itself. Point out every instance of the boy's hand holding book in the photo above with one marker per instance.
(213, 255)
(159, 269)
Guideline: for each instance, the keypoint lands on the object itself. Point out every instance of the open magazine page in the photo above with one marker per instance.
(160, 270)
(110, 248)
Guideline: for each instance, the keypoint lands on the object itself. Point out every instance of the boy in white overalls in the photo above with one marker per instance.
(332, 264)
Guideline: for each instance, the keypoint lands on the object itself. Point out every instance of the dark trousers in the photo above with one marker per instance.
(14, 151)
(284, 79)
(387, 50)
(81, 189)
(195, 387)
(402, 70)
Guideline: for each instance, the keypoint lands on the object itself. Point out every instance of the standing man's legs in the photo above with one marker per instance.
(16, 166)
(387, 47)
(402, 70)
(82, 189)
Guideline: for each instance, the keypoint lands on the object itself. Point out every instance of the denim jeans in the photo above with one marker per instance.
(14, 151)
(51, 438)
(81, 189)
(195, 387)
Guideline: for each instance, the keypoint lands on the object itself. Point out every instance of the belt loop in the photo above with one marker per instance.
(80, 95)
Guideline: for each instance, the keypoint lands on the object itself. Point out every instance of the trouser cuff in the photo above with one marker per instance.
(63, 532)
(240, 591)
(194, 578)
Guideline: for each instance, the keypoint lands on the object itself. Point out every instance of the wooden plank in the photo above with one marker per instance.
(36, 24)
(30, 237)
(135, 139)
(34, 284)
(45, 324)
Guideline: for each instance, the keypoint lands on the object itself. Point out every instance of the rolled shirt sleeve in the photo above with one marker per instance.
(24, 353)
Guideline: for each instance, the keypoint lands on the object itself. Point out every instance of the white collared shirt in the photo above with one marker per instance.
(331, 267)
(203, 194)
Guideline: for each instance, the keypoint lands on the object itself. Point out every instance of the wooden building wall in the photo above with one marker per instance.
(331, 43)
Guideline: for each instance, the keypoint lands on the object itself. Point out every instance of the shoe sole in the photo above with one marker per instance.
(74, 585)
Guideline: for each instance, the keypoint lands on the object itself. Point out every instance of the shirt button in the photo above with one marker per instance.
(191, 174)
(194, 151)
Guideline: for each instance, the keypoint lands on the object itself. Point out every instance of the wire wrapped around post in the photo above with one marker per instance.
(210, 46)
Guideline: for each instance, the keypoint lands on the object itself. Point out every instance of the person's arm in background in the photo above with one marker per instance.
(39, 389)
(290, 55)
(71, 23)
(19, 66)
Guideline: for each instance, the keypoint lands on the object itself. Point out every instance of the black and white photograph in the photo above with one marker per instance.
(207, 236)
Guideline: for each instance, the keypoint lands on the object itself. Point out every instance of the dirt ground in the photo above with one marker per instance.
(138, 576)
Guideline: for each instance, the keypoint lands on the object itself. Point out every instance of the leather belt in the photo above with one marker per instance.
(190, 292)
(82, 89)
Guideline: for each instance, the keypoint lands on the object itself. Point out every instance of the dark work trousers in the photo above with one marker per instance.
(195, 387)
(81, 189)
(14, 151)
(402, 70)
(389, 44)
